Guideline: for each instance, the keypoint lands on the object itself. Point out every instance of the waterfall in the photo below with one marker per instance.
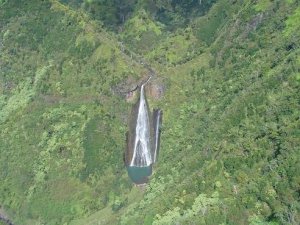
(157, 120)
(142, 139)
(142, 144)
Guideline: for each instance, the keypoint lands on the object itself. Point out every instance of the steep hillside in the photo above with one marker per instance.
(231, 128)
(62, 127)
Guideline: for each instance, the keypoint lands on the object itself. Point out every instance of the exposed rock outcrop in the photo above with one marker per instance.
(4, 218)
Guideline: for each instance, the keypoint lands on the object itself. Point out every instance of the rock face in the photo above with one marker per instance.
(4, 218)
(142, 140)
(156, 90)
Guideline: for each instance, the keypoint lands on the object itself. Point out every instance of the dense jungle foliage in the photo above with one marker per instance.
(231, 127)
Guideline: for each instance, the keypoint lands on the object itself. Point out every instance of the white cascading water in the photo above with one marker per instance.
(156, 133)
(142, 145)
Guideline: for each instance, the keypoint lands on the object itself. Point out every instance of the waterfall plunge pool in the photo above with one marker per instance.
(139, 175)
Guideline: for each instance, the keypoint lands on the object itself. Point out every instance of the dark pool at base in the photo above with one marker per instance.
(139, 175)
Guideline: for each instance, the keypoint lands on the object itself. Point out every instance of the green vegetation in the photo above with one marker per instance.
(231, 129)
